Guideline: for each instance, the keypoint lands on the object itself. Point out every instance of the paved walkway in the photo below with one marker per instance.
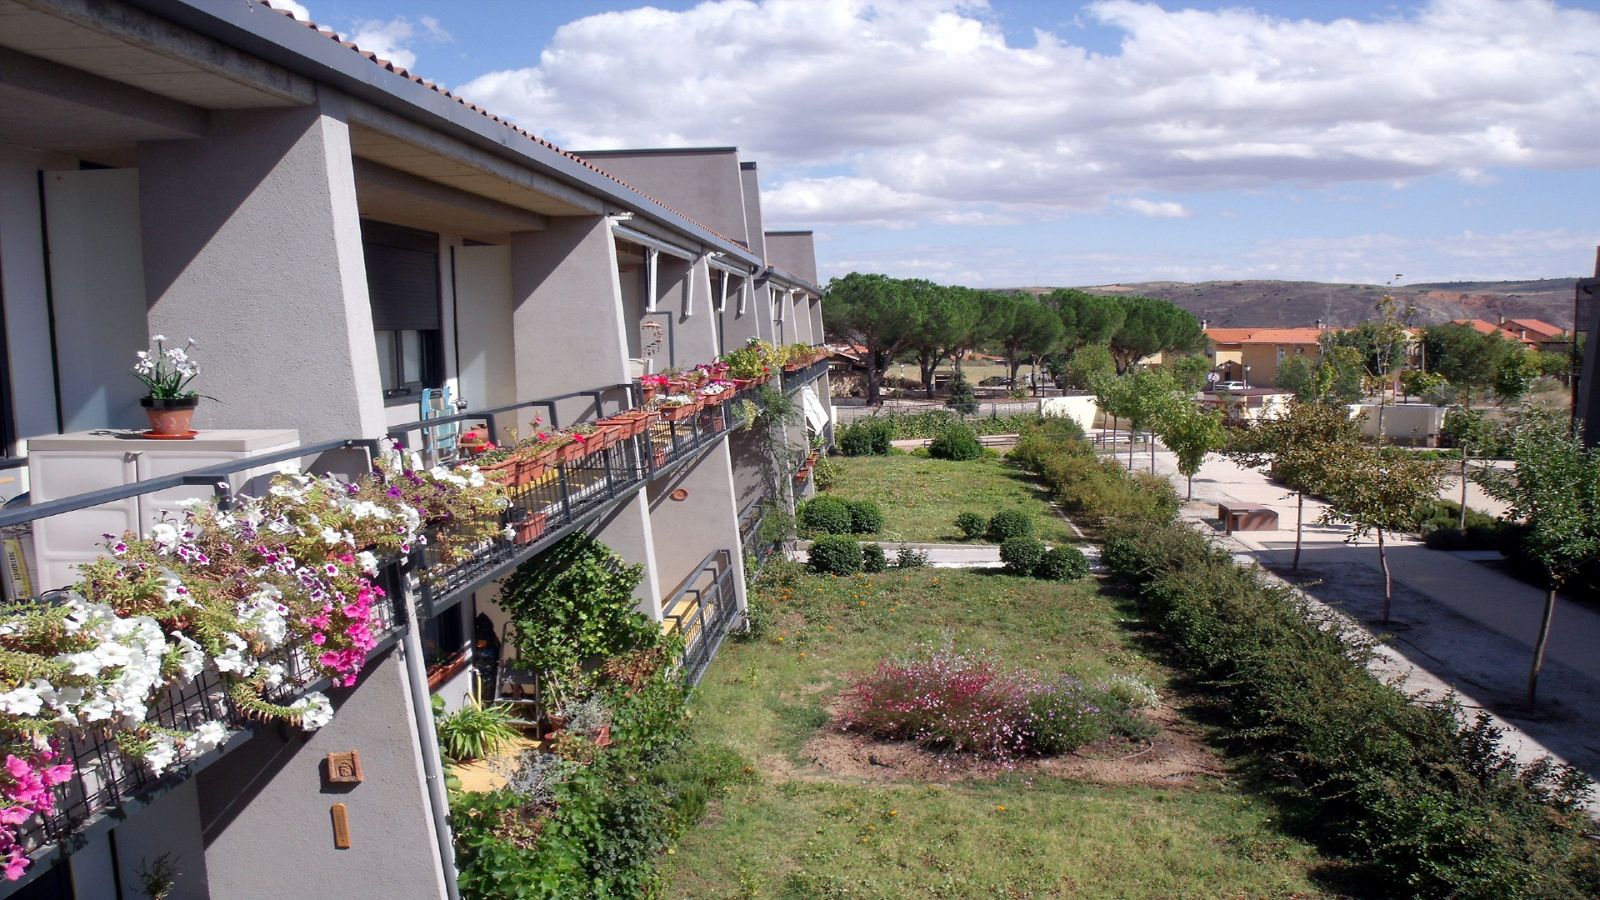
(942, 556)
(1464, 625)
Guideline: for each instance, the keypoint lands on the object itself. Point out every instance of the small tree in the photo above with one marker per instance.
(1146, 395)
(1192, 435)
(1375, 492)
(962, 399)
(1555, 489)
(1300, 447)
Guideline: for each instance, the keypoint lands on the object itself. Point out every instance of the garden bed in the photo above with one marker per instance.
(830, 813)
(921, 497)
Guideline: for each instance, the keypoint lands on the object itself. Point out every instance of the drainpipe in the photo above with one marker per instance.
(432, 773)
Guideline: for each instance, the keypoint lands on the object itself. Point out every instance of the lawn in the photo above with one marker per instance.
(921, 497)
(806, 826)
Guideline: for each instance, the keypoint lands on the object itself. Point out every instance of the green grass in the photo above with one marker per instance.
(921, 497)
(796, 831)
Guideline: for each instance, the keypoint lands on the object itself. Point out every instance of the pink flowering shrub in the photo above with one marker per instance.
(945, 701)
(968, 703)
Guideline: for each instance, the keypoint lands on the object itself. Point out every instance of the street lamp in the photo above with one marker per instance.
(1246, 376)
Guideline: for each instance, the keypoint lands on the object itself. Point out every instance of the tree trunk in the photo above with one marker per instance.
(1299, 520)
(1132, 430)
(928, 368)
(1539, 646)
(1152, 453)
(1191, 488)
(1463, 524)
(872, 381)
(1014, 364)
(1388, 582)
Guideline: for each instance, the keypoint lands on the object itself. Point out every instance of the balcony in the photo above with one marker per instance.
(702, 611)
(794, 381)
(108, 783)
(568, 494)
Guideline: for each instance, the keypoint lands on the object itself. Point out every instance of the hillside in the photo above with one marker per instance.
(1290, 303)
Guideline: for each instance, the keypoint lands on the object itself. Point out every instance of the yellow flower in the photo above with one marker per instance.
(1000, 808)
(894, 812)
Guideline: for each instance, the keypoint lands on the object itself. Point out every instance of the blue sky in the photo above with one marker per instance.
(1011, 143)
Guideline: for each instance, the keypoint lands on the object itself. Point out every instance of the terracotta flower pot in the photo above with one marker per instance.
(570, 451)
(170, 418)
(531, 528)
(677, 413)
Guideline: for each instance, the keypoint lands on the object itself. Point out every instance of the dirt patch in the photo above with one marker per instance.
(1177, 756)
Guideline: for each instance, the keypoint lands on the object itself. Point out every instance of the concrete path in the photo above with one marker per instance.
(1463, 625)
(942, 556)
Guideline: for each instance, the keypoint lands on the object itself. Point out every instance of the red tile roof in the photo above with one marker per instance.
(1531, 332)
(1263, 335)
(389, 66)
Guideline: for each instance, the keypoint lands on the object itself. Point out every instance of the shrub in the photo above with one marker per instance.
(873, 559)
(834, 554)
(575, 601)
(1060, 564)
(962, 399)
(865, 437)
(1400, 784)
(910, 558)
(825, 472)
(958, 442)
(865, 517)
(971, 525)
(1065, 715)
(475, 731)
(945, 701)
(1008, 523)
(1021, 554)
(824, 515)
(1130, 690)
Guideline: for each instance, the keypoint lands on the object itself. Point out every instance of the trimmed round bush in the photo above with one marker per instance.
(873, 559)
(834, 554)
(868, 437)
(958, 442)
(1008, 523)
(1062, 564)
(865, 516)
(825, 515)
(971, 525)
(1021, 554)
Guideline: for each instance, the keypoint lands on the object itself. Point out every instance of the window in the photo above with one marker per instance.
(403, 284)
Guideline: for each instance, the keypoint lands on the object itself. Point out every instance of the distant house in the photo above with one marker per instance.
(1253, 355)
(1535, 334)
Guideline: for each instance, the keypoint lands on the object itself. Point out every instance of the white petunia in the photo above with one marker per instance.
(191, 656)
(163, 751)
(368, 562)
(23, 701)
(205, 738)
(329, 535)
(165, 535)
(315, 711)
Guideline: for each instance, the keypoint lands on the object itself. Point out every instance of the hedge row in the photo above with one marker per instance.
(1435, 807)
(1094, 491)
(1432, 805)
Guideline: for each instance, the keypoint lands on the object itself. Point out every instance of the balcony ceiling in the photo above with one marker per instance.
(388, 150)
(128, 47)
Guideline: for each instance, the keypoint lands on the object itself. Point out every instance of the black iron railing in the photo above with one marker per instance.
(564, 496)
(703, 610)
(793, 381)
(106, 783)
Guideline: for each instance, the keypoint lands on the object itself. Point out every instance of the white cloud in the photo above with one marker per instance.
(1165, 209)
(394, 39)
(298, 10)
(929, 110)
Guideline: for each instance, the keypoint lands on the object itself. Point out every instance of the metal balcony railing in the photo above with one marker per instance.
(703, 610)
(567, 495)
(107, 784)
(793, 381)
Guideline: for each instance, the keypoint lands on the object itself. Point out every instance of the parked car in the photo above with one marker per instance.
(1228, 386)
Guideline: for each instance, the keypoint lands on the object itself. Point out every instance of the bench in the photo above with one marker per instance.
(1246, 517)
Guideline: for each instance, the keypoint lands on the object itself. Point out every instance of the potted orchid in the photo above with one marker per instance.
(166, 375)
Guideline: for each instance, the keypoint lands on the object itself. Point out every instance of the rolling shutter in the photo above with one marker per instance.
(402, 277)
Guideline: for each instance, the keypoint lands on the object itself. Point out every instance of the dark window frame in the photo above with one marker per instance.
(396, 307)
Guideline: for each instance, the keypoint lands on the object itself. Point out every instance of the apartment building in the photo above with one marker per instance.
(360, 255)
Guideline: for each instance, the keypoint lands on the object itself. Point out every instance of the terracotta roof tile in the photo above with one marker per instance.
(1264, 335)
(386, 64)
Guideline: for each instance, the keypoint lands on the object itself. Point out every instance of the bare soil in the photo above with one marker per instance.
(1176, 757)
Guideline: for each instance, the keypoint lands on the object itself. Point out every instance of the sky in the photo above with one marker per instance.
(1027, 142)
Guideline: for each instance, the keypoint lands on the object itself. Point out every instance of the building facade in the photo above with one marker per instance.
(362, 256)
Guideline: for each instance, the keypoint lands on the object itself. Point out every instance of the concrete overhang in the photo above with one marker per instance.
(48, 106)
(789, 279)
(281, 41)
(399, 198)
(133, 47)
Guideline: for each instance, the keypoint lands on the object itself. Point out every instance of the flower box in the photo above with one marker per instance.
(530, 528)
(678, 413)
